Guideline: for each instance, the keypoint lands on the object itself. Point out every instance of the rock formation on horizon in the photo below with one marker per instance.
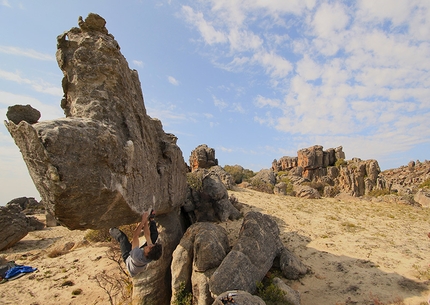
(202, 157)
(107, 161)
(329, 168)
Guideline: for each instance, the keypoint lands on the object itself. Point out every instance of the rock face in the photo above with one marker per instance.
(208, 199)
(202, 157)
(107, 161)
(252, 256)
(203, 247)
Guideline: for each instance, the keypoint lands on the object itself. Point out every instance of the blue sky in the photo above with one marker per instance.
(254, 79)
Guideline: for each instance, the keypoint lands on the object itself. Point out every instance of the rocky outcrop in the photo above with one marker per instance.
(203, 247)
(18, 113)
(327, 172)
(253, 255)
(107, 161)
(359, 177)
(264, 181)
(204, 265)
(406, 180)
(225, 177)
(28, 205)
(202, 157)
(208, 198)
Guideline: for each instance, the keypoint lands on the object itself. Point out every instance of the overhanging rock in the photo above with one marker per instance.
(107, 161)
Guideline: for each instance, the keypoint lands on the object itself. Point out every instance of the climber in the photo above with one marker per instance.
(136, 258)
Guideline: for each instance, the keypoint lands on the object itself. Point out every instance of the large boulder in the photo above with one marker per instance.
(224, 176)
(423, 198)
(13, 225)
(203, 247)
(208, 198)
(250, 258)
(202, 157)
(107, 161)
(264, 181)
(238, 297)
(18, 113)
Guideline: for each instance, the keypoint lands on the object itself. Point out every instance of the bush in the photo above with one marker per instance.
(103, 235)
(238, 173)
(340, 162)
(270, 293)
(377, 193)
(195, 180)
(425, 184)
(183, 297)
(287, 181)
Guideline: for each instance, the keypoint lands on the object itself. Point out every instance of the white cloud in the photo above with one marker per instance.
(274, 64)
(173, 80)
(329, 19)
(262, 101)
(138, 63)
(243, 40)
(356, 71)
(308, 68)
(37, 85)
(378, 11)
(225, 149)
(207, 30)
(26, 53)
(5, 3)
(219, 103)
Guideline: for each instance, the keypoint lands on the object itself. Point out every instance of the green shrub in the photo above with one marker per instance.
(182, 296)
(425, 184)
(238, 173)
(195, 180)
(103, 235)
(287, 181)
(340, 162)
(377, 193)
(270, 293)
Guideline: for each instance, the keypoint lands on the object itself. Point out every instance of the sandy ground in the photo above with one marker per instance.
(358, 251)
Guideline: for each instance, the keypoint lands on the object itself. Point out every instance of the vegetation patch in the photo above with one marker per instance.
(238, 173)
(103, 235)
(270, 293)
(382, 192)
(425, 184)
(182, 296)
(195, 180)
(340, 162)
